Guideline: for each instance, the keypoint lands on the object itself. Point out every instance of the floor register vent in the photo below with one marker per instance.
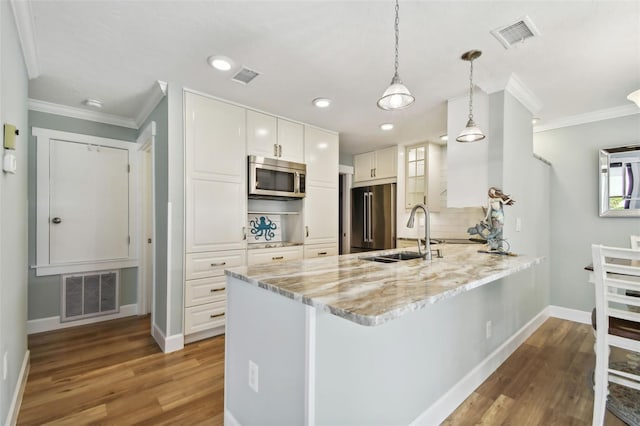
(89, 294)
(517, 32)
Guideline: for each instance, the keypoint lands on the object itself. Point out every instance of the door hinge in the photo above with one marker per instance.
(129, 239)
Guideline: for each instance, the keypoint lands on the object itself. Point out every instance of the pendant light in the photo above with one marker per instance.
(397, 96)
(471, 132)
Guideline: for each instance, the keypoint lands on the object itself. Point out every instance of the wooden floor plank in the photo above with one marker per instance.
(114, 373)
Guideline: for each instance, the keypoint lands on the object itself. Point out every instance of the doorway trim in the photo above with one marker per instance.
(146, 143)
(347, 182)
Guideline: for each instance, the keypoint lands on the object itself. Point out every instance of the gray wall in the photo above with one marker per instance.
(161, 153)
(575, 224)
(44, 292)
(13, 212)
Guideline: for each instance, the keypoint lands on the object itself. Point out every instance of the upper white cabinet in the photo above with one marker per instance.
(381, 164)
(262, 134)
(321, 156)
(290, 141)
(216, 173)
(269, 136)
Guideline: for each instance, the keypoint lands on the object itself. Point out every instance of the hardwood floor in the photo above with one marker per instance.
(114, 373)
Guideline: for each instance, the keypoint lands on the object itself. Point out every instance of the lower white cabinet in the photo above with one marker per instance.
(205, 296)
(277, 254)
(203, 317)
(320, 250)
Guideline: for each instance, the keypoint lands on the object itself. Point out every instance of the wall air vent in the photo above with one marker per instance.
(245, 75)
(517, 32)
(89, 294)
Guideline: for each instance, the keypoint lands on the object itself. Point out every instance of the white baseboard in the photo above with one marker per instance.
(53, 323)
(570, 314)
(447, 403)
(167, 344)
(229, 420)
(16, 400)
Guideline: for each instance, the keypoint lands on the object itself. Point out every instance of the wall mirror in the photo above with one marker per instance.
(620, 181)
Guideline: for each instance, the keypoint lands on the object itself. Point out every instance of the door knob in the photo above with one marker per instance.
(56, 220)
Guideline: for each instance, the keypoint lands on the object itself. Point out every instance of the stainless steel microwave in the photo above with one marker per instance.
(269, 177)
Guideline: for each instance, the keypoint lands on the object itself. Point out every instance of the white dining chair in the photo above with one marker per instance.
(635, 241)
(616, 271)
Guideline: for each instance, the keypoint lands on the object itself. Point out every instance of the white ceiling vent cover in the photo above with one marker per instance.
(245, 75)
(517, 32)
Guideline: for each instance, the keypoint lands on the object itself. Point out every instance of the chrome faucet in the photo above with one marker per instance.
(427, 248)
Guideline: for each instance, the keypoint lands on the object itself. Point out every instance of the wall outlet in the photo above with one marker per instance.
(5, 365)
(518, 224)
(253, 376)
(489, 329)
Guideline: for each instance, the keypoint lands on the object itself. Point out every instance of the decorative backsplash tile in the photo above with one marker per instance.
(264, 228)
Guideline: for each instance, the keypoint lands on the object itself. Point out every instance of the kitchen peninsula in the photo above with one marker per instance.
(344, 340)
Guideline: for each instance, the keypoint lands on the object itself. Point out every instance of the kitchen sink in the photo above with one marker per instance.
(394, 257)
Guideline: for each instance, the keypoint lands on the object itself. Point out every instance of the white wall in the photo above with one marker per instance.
(575, 224)
(13, 213)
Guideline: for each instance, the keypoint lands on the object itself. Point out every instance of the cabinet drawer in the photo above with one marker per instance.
(205, 290)
(212, 264)
(280, 254)
(204, 317)
(320, 250)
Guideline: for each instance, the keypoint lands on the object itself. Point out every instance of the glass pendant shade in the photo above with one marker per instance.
(471, 133)
(635, 97)
(397, 96)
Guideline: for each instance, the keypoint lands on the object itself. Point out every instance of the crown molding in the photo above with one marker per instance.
(82, 114)
(158, 92)
(589, 117)
(521, 92)
(24, 23)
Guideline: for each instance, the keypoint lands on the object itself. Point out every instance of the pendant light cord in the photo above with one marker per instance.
(397, 23)
(471, 92)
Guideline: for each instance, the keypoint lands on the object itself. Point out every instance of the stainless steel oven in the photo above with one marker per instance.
(269, 177)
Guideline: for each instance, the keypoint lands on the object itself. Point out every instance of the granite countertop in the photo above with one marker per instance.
(372, 293)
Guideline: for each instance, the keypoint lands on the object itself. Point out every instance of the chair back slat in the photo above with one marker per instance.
(623, 284)
(625, 315)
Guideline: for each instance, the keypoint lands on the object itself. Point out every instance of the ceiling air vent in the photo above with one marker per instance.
(517, 32)
(245, 75)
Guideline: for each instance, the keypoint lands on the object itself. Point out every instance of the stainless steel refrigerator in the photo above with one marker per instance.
(373, 217)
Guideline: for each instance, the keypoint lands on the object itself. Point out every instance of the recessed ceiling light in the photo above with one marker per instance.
(386, 126)
(535, 120)
(444, 138)
(92, 103)
(322, 102)
(221, 63)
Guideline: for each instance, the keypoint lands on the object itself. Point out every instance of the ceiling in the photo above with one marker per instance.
(587, 57)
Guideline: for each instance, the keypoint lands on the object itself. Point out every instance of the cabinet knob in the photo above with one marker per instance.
(307, 230)
(218, 264)
(322, 253)
(277, 258)
(215, 315)
(56, 220)
(213, 290)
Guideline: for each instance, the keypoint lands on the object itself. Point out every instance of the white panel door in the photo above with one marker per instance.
(321, 156)
(321, 215)
(89, 202)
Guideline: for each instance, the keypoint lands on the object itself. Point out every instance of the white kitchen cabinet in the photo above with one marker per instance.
(262, 134)
(276, 254)
(320, 250)
(290, 141)
(216, 175)
(321, 157)
(321, 215)
(321, 201)
(272, 137)
(422, 176)
(215, 209)
(381, 164)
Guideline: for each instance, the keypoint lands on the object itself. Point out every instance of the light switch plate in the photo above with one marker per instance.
(10, 136)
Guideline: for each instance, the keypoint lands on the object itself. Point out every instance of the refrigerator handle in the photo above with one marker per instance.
(370, 216)
(366, 217)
